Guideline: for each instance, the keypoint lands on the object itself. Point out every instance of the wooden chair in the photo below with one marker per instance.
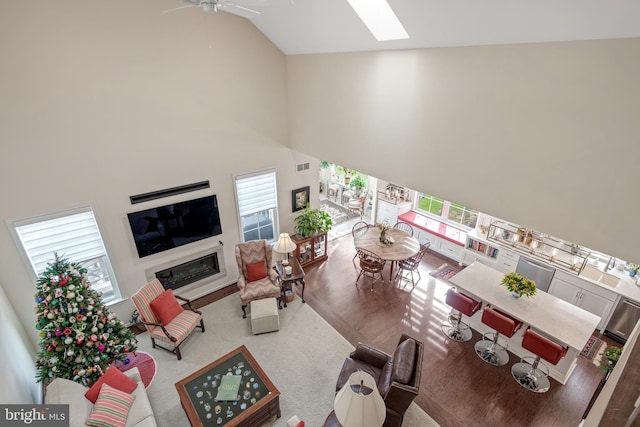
(370, 265)
(404, 227)
(256, 278)
(174, 332)
(412, 265)
(357, 204)
(359, 228)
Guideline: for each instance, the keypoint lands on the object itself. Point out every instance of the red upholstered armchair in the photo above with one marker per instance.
(165, 319)
(257, 279)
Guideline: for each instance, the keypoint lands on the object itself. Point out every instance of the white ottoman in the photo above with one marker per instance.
(264, 316)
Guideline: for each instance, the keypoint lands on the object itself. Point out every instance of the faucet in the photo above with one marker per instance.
(610, 264)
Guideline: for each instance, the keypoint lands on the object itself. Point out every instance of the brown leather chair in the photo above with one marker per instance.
(397, 375)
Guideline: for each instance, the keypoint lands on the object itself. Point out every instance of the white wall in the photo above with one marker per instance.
(544, 135)
(17, 359)
(101, 101)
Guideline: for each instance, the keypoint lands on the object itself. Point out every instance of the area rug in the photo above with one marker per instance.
(592, 348)
(339, 214)
(444, 272)
(141, 360)
(302, 359)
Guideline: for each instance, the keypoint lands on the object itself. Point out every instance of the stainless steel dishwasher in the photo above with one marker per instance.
(623, 320)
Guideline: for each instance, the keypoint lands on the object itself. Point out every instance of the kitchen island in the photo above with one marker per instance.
(559, 320)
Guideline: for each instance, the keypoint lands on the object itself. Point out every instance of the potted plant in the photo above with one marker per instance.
(633, 268)
(519, 285)
(610, 358)
(358, 183)
(311, 221)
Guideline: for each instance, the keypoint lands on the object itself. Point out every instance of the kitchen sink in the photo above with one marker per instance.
(596, 275)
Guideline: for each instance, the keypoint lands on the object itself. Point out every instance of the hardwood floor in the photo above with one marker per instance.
(457, 388)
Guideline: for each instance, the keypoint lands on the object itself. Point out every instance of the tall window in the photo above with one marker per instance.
(72, 234)
(445, 209)
(257, 205)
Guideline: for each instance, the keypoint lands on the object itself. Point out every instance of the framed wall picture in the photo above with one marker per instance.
(299, 198)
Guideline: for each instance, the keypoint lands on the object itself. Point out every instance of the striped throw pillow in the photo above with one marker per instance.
(111, 409)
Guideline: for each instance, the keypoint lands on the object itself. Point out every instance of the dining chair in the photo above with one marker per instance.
(405, 227)
(370, 265)
(358, 229)
(412, 265)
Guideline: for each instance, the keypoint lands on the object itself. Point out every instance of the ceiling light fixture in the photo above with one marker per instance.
(380, 19)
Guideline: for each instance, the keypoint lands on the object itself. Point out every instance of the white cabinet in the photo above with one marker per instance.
(389, 212)
(438, 244)
(584, 295)
(450, 250)
(424, 237)
(507, 260)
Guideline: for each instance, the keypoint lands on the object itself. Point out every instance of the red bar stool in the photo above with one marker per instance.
(456, 329)
(531, 376)
(488, 349)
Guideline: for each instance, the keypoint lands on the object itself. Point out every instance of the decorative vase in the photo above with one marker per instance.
(515, 294)
(383, 236)
(632, 273)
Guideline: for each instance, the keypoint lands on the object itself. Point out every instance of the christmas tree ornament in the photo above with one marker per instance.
(65, 304)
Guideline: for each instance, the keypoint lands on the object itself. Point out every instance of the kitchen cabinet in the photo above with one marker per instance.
(438, 244)
(310, 249)
(450, 250)
(583, 294)
(507, 260)
(388, 212)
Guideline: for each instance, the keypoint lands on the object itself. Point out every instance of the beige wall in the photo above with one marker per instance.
(100, 101)
(544, 135)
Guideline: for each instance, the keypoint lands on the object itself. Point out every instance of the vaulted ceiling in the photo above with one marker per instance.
(314, 26)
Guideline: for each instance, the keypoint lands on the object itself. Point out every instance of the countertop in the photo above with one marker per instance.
(553, 316)
(627, 286)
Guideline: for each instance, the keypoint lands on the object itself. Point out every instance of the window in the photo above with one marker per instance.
(445, 209)
(72, 234)
(257, 205)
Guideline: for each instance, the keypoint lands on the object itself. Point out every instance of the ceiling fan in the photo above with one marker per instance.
(212, 6)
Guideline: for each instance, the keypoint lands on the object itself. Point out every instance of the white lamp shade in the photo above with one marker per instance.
(284, 244)
(356, 409)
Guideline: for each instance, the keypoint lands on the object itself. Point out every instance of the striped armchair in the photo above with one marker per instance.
(173, 332)
(256, 277)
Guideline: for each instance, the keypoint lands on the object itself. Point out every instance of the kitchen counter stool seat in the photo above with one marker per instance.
(488, 349)
(456, 329)
(532, 376)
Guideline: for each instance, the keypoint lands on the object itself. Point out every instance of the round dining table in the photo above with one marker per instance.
(403, 246)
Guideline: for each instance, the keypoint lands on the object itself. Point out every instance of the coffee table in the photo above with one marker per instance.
(288, 280)
(258, 399)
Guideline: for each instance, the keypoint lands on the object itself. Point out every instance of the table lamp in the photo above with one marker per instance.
(284, 245)
(358, 403)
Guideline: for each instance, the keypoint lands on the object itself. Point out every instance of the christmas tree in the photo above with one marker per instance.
(79, 336)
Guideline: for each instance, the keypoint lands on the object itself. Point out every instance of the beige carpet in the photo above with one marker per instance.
(303, 360)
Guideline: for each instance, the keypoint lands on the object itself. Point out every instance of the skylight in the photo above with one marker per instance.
(379, 18)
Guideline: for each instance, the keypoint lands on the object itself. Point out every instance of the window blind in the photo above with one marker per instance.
(73, 236)
(256, 192)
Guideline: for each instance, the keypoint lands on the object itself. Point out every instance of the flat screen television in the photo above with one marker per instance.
(166, 227)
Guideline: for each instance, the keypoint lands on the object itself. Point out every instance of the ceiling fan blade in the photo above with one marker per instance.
(178, 8)
(247, 9)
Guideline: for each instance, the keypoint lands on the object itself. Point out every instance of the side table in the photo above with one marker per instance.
(287, 281)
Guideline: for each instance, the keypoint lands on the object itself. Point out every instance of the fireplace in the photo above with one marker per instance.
(190, 269)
